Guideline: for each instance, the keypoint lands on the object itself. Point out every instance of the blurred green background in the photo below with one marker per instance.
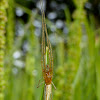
(74, 33)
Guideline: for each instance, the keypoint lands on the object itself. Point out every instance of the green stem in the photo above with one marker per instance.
(3, 19)
(46, 55)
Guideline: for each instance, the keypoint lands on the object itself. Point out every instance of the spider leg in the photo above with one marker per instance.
(53, 85)
(39, 84)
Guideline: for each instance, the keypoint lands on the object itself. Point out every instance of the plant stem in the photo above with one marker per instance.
(3, 19)
(46, 55)
(47, 92)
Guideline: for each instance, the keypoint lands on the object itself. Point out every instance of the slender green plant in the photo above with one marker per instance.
(74, 47)
(60, 72)
(3, 19)
(30, 60)
(97, 45)
(10, 27)
(9, 47)
(86, 73)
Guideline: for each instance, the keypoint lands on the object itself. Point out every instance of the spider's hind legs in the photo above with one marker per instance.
(53, 85)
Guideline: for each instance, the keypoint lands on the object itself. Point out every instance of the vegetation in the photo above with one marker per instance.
(76, 51)
(3, 19)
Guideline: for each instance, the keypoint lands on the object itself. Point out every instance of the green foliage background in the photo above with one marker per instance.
(76, 63)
